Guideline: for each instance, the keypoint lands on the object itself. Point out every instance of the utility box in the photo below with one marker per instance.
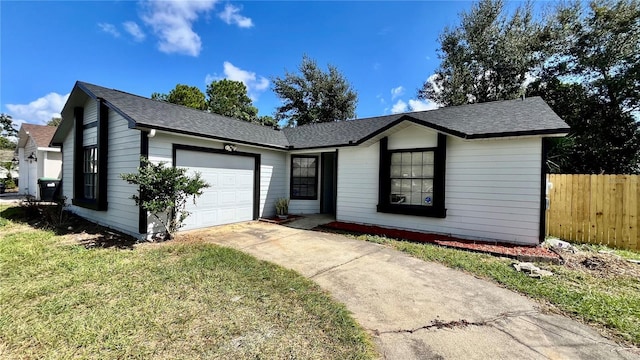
(49, 189)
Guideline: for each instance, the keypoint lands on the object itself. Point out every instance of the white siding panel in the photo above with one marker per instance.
(52, 165)
(492, 189)
(272, 166)
(413, 136)
(90, 136)
(90, 111)
(124, 157)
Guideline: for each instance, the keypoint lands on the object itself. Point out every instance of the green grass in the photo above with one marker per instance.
(177, 301)
(610, 303)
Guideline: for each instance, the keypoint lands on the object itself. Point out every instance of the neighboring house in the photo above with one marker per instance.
(36, 158)
(473, 171)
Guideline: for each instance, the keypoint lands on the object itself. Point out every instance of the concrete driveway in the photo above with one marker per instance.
(415, 309)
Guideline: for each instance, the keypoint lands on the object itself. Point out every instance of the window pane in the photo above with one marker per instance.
(396, 186)
(427, 185)
(406, 186)
(416, 199)
(427, 157)
(416, 171)
(427, 171)
(396, 171)
(406, 158)
(416, 158)
(396, 158)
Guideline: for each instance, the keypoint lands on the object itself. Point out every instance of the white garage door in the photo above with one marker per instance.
(229, 198)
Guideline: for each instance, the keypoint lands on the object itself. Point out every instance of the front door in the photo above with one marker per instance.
(328, 183)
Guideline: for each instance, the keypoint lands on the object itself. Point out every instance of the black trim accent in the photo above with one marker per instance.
(438, 209)
(103, 154)
(543, 189)
(291, 196)
(144, 153)
(102, 124)
(256, 176)
(334, 180)
(90, 125)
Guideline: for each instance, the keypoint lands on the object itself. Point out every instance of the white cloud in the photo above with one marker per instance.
(231, 15)
(399, 107)
(381, 98)
(254, 83)
(422, 105)
(397, 92)
(39, 111)
(134, 30)
(109, 29)
(172, 21)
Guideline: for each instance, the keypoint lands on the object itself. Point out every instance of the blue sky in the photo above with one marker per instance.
(385, 49)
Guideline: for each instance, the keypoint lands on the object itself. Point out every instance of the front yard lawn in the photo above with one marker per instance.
(590, 287)
(59, 299)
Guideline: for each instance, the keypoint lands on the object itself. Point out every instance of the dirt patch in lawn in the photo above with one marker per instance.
(603, 265)
(523, 253)
(75, 229)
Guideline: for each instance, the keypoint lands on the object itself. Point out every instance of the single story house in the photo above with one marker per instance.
(37, 159)
(473, 171)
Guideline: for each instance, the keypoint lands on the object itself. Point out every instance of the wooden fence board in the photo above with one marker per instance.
(599, 209)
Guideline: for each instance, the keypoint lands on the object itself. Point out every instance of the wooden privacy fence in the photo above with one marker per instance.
(596, 209)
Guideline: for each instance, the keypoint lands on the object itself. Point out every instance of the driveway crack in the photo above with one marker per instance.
(344, 263)
(439, 324)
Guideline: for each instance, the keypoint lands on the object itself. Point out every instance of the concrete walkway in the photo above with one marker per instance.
(415, 309)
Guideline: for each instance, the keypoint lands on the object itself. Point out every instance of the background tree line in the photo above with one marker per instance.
(583, 59)
(310, 96)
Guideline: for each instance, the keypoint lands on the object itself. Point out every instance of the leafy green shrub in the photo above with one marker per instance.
(163, 191)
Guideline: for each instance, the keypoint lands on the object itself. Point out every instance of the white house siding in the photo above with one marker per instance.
(123, 157)
(28, 181)
(52, 164)
(272, 166)
(492, 189)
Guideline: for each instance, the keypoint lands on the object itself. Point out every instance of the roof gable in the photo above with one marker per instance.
(40, 134)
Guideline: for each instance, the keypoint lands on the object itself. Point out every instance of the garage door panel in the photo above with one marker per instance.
(230, 196)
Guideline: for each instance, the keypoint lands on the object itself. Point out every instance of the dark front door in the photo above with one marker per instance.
(328, 183)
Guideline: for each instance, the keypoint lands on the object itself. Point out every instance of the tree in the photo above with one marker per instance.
(595, 144)
(184, 95)
(229, 98)
(164, 191)
(55, 121)
(487, 57)
(267, 120)
(6, 131)
(314, 96)
(592, 81)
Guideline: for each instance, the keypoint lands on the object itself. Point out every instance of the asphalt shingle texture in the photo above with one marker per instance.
(41, 134)
(163, 115)
(495, 119)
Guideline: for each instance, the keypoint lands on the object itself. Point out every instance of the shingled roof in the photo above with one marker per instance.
(41, 134)
(531, 116)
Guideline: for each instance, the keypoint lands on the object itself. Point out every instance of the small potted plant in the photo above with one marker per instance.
(282, 208)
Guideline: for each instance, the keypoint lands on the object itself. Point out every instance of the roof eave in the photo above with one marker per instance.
(143, 126)
(540, 132)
